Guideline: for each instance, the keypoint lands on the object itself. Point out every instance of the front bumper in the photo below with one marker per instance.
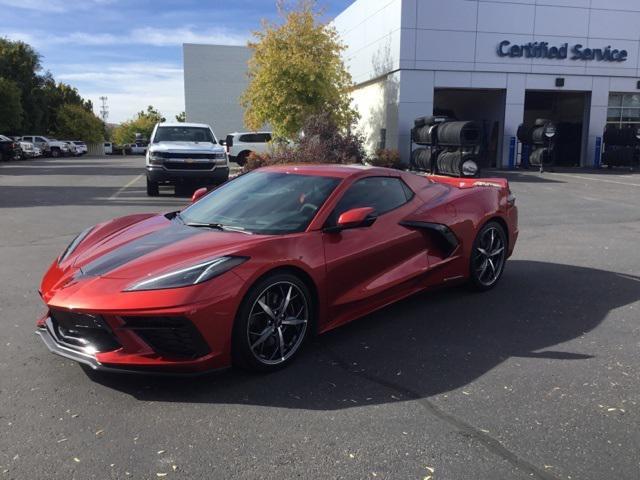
(160, 174)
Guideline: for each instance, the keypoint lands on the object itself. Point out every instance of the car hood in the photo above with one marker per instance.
(178, 147)
(154, 245)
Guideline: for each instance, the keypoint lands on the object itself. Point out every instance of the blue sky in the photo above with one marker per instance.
(131, 50)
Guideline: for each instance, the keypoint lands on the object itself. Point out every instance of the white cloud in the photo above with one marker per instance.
(53, 5)
(158, 37)
(129, 87)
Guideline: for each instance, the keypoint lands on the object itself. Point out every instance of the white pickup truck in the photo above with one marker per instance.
(50, 146)
(184, 153)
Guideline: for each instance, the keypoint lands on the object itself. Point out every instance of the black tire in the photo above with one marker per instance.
(241, 159)
(422, 159)
(259, 333)
(153, 190)
(459, 134)
(55, 153)
(487, 260)
(2, 158)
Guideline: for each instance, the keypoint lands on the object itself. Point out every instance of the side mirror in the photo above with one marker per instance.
(198, 194)
(222, 142)
(355, 218)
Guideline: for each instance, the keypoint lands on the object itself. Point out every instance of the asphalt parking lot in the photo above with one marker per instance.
(539, 378)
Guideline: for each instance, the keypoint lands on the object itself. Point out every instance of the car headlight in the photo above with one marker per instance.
(469, 168)
(74, 244)
(189, 276)
(154, 158)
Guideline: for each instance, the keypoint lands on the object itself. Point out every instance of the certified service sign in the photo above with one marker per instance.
(561, 52)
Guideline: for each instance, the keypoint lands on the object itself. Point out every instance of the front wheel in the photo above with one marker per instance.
(55, 153)
(272, 323)
(153, 190)
(488, 256)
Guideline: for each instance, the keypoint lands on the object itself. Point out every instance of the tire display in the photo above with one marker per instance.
(540, 157)
(459, 134)
(425, 135)
(421, 159)
(446, 146)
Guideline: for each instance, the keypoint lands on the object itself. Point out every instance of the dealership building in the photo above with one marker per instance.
(501, 63)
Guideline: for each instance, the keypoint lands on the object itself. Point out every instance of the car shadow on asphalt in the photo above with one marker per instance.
(427, 345)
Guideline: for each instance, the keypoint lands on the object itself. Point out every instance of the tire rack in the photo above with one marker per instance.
(434, 148)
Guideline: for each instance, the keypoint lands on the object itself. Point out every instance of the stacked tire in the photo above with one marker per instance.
(621, 147)
(541, 146)
(447, 147)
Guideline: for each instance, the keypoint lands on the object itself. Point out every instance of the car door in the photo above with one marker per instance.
(366, 267)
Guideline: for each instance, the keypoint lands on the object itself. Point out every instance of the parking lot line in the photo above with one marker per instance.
(594, 179)
(131, 183)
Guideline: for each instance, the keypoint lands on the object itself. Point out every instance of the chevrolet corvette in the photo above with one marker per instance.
(249, 271)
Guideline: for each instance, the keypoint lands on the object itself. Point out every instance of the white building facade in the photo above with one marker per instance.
(215, 77)
(502, 62)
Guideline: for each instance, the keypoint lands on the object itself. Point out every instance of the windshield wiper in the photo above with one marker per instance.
(218, 226)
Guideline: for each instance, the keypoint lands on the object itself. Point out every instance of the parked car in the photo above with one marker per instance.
(251, 270)
(9, 149)
(138, 148)
(81, 147)
(29, 150)
(182, 153)
(108, 148)
(49, 146)
(73, 150)
(241, 144)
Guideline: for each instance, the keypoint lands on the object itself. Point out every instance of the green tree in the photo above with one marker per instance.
(297, 71)
(181, 117)
(10, 107)
(75, 122)
(20, 63)
(142, 124)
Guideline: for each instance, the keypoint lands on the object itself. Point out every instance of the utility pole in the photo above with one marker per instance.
(104, 109)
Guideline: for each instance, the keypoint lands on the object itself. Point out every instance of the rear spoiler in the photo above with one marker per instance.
(464, 183)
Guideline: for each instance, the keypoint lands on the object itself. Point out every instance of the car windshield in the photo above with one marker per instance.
(183, 134)
(270, 203)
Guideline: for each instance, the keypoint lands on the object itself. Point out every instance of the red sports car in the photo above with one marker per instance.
(249, 271)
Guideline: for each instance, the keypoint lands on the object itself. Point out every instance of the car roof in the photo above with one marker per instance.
(183, 124)
(251, 133)
(330, 170)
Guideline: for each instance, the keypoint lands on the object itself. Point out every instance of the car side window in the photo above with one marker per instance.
(383, 194)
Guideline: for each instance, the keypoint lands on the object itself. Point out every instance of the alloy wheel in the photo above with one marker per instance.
(489, 256)
(277, 323)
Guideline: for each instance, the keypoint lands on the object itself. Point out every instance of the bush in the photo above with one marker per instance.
(387, 158)
(322, 142)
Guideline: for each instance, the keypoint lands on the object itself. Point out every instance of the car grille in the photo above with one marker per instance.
(188, 166)
(195, 156)
(169, 336)
(83, 332)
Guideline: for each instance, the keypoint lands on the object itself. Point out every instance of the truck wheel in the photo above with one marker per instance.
(153, 190)
(55, 153)
(241, 159)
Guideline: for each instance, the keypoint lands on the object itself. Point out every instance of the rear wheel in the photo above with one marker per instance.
(153, 190)
(241, 159)
(272, 324)
(55, 153)
(488, 256)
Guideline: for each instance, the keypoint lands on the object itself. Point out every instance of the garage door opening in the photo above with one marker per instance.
(569, 111)
(483, 106)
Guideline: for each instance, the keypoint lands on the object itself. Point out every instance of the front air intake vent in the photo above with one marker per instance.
(174, 337)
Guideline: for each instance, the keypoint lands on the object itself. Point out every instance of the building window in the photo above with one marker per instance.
(624, 109)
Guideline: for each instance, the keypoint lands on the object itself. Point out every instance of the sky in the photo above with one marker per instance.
(131, 50)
